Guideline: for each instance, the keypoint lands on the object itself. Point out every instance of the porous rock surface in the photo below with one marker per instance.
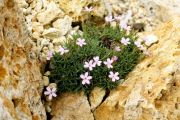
(152, 90)
(71, 106)
(20, 77)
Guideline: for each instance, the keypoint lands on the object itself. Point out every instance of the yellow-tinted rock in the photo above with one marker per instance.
(152, 90)
(71, 106)
(20, 77)
(96, 97)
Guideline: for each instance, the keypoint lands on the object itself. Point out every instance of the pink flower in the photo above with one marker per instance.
(124, 26)
(81, 42)
(51, 92)
(90, 65)
(117, 48)
(108, 63)
(88, 9)
(113, 76)
(118, 18)
(97, 61)
(49, 55)
(109, 18)
(85, 78)
(138, 44)
(62, 50)
(125, 41)
(114, 58)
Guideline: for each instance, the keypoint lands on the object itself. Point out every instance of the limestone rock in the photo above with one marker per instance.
(152, 90)
(20, 76)
(51, 33)
(73, 8)
(71, 106)
(46, 80)
(37, 27)
(52, 12)
(156, 8)
(96, 97)
(59, 41)
(64, 25)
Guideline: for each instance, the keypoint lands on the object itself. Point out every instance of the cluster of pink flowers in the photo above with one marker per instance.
(123, 20)
(62, 51)
(147, 40)
(97, 62)
(80, 41)
(92, 63)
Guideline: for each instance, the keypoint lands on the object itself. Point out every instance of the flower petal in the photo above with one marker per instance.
(50, 97)
(47, 93)
(54, 95)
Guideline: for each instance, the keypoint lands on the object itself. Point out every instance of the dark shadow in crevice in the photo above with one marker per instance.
(106, 95)
(78, 23)
(49, 117)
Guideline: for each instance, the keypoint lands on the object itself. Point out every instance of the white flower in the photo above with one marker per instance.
(81, 42)
(138, 44)
(125, 41)
(114, 58)
(117, 48)
(85, 78)
(90, 65)
(113, 76)
(51, 92)
(50, 55)
(108, 63)
(62, 50)
(109, 18)
(97, 61)
(88, 9)
(118, 18)
(124, 26)
(150, 39)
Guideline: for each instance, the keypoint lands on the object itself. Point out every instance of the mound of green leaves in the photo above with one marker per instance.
(66, 69)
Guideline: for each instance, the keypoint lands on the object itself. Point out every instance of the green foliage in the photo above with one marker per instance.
(66, 69)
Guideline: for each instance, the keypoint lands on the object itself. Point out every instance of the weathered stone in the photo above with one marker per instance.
(71, 106)
(96, 97)
(156, 8)
(147, 91)
(51, 33)
(20, 76)
(59, 41)
(64, 25)
(52, 12)
(47, 73)
(73, 8)
(45, 80)
(37, 27)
